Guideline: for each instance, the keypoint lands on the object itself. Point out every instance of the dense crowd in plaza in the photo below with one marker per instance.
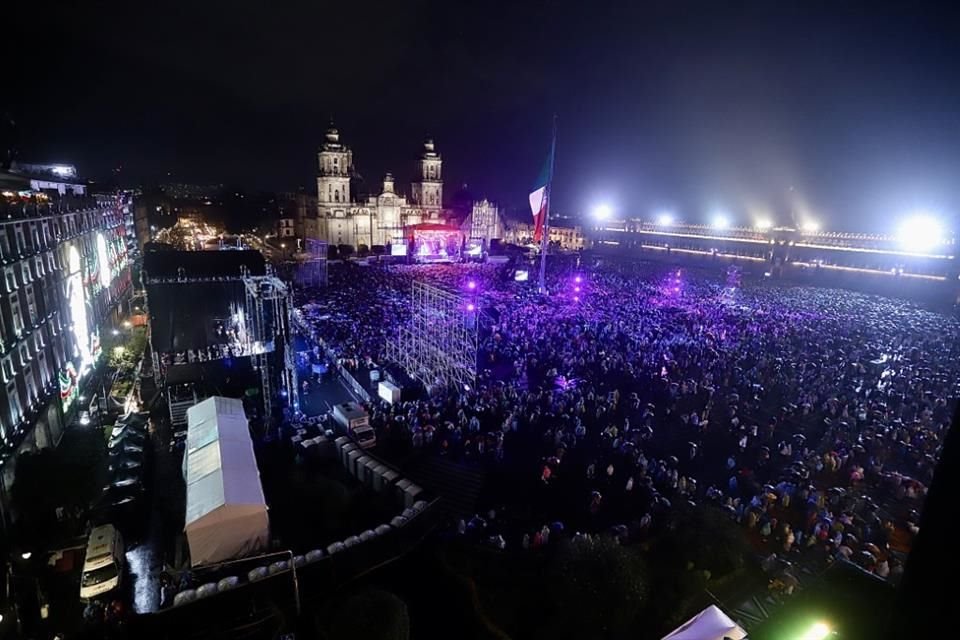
(814, 417)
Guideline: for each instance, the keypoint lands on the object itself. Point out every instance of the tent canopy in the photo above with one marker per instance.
(226, 512)
(709, 624)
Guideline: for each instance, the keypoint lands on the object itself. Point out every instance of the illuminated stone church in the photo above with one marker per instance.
(340, 219)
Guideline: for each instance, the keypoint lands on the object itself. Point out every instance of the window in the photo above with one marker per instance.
(20, 239)
(31, 304)
(17, 314)
(38, 266)
(51, 262)
(24, 355)
(14, 399)
(25, 272)
(11, 280)
(31, 384)
(7, 369)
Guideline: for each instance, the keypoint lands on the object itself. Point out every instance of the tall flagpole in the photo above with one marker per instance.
(545, 237)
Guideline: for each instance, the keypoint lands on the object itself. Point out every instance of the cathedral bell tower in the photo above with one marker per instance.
(333, 178)
(428, 190)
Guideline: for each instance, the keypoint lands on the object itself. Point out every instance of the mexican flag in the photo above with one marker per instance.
(539, 198)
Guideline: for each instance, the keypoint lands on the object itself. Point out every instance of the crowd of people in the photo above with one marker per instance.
(814, 417)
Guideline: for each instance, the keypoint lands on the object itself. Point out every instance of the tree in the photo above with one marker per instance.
(373, 614)
(704, 538)
(72, 475)
(598, 588)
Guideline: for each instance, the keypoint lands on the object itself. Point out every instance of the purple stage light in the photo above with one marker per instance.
(472, 284)
(577, 289)
(576, 298)
(676, 289)
(471, 306)
(578, 279)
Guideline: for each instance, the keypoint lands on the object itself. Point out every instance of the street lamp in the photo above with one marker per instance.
(818, 631)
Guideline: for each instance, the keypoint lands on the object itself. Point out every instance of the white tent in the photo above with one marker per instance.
(226, 513)
(709, 624)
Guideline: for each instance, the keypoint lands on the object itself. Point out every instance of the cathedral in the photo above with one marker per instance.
(340, 219)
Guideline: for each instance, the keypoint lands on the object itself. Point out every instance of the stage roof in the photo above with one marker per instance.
(183, 315)
(202, 264)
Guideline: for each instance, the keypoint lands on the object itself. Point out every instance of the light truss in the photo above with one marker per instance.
(439, 345)
(312, 272)
(266, 331)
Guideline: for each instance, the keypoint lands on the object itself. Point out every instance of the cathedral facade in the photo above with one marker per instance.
(341, 219)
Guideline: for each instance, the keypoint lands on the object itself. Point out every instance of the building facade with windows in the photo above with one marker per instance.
(380, 220)
(65, 266)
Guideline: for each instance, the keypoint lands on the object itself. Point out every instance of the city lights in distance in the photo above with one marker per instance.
(810, 226)
(920, 232)
(763, 224)
(602, 212)
(664, 219)
(720, 221)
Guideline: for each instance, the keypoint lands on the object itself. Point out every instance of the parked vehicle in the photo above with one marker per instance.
(356, 422)
(125, 447)
(122, 465)
(103, 564)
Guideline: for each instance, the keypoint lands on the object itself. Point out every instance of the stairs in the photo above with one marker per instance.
(456, 484)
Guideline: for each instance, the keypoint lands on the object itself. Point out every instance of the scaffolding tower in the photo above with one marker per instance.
(312, 271)
(267, 334)
(439, 345)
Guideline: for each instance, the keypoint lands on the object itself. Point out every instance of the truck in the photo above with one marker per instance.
(356, 422)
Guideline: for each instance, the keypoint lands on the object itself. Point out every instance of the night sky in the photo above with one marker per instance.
(849, 114)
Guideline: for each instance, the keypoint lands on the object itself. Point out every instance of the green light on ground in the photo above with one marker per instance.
(818, 631)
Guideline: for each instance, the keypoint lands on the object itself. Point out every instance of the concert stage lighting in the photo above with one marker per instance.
(664, 219)
(720, 221)
(920, 232)
(602, 212)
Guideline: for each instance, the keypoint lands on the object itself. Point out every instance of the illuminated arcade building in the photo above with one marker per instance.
(65, 268)
(923, 255)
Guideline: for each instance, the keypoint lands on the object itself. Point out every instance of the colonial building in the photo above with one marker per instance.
(66, 268)
(342, 219)
(563, 232)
